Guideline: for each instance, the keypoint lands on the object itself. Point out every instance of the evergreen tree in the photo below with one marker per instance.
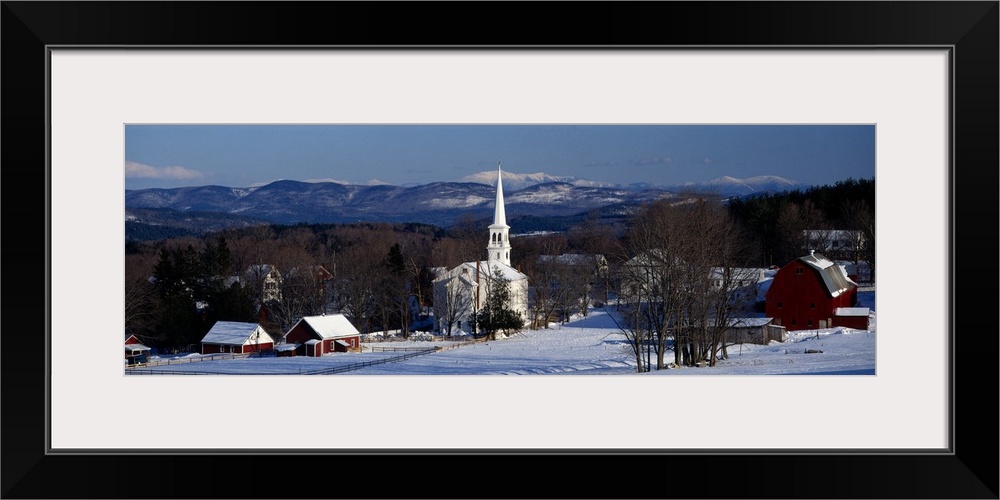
(496, 314)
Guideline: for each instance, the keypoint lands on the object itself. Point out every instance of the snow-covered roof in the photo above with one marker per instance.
(235, 333)
(749, 322)
(834, 277)
(851, 311)
(287, 347)
(312, 342)
(331, 326)
(469, 269)
(137, 347)
(573, 259)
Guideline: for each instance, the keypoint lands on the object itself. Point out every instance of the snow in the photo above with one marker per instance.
(590, 345)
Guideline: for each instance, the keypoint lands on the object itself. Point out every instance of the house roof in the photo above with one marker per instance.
(749, 322)
(851, 311)
(235, 333)
(572, 259)
(287, 347)
(137, 347)
(330, 326)
(834, 277)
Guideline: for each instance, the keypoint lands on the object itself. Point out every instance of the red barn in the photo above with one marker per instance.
(331, 333)
(236, 337)
(806, 293)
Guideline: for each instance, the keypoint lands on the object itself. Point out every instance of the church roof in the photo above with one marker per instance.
(469, 269)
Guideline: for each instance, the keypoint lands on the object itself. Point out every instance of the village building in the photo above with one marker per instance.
(806, 293)
(135, 352)
(319, 335)
(264, 279)
(754, 331)
(459, 293)
(236, 337)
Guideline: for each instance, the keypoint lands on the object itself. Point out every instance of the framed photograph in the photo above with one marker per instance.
(922, 75)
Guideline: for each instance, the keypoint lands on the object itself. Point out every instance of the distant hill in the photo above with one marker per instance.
(541, 198)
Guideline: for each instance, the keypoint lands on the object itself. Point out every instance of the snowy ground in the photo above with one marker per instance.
(584, 346)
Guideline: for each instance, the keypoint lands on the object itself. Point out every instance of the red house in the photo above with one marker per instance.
(806, 293)
(324, 334)
(236, 337)
(135, 352)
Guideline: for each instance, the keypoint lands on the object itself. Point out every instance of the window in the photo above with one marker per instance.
(793, 322)
(809, 322)
(812, 305)
(798, 270)
(779, 305)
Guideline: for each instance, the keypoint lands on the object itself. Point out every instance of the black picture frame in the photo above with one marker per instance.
(969, 28)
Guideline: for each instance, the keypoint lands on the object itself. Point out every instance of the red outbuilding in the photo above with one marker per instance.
(324, 334)
(806, 293)
(852, 317)
(236, 337)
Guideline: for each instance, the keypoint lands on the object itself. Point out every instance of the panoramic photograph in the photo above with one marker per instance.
(631, 250)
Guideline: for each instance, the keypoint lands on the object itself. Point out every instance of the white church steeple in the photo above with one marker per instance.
(498, 249)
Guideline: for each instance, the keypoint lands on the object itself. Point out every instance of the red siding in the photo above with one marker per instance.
(132, 340)
(300, 333)
(856, 322)
(247, 349)
(210, 348)
(803, 298)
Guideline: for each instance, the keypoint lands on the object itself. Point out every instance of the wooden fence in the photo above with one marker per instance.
(324, 371)
(182, 361)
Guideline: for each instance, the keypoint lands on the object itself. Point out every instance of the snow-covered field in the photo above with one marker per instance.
(584, 346)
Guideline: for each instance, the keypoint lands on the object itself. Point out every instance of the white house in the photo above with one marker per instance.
(459, 293)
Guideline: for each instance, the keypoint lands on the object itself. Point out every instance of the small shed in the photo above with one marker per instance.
(851, 317)
(755, 331)
(135, 352)
(286, 350)
(237, 338)
(311, 348)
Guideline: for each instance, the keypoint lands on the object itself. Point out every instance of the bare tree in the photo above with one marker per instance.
(455, 303)
(141, 301)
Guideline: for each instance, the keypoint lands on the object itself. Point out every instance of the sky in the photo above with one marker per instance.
(166, 156)
(590, 345)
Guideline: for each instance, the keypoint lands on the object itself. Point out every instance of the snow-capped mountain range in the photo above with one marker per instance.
(437, 203)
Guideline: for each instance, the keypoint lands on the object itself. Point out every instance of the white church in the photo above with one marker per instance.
(460, 292)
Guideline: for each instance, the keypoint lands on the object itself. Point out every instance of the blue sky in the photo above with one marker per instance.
(247, 155)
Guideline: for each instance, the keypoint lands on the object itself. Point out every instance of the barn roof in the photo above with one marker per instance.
(834, 277)
(234, 333)
(287, 347)
(330, 326)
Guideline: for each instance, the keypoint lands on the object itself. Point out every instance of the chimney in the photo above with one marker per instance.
(812, 252)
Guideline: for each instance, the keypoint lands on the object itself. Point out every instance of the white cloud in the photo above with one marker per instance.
(136, 170)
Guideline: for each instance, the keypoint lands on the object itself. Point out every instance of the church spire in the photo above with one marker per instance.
(498, 249)
(499, 217)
